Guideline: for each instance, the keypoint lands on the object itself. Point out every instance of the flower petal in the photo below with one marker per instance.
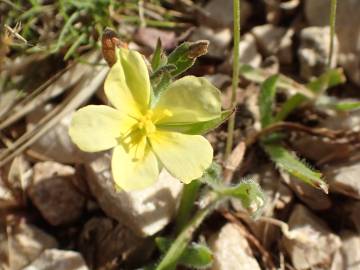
(186, 157)
(190, 99)
(127, 85)
(134, 168)
(96, 127)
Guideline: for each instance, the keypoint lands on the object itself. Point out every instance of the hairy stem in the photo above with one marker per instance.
(173, 255)
(332, 30)
(187, 202)
(235, 76)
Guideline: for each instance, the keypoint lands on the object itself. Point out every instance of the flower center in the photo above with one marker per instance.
(146, 124)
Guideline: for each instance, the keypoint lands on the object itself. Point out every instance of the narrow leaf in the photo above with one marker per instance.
(266, 100)
(158, 59)
(329, 79)
(347, 106)
(289, 106)
(290, 163)
(259, 76)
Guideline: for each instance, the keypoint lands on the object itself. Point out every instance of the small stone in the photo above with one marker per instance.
(344, 179)
(56, 259)
(218, 79)
(22, 244)
(219, 40)
(316, 148)
(54, 194)
(219, 13)
(116, 242)
(149, 36)
(344, 121)
(145, 211)
(314, 51)
(355, 214)
(348, 257)
(269, 38)
(347, 30)
(309, 241)
(231, 250)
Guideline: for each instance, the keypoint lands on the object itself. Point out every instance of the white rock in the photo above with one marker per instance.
(231, 250)
(344, 179)
(248, 51)
(54, 193)
(144, 211)
(347, 30)
(219, 40)
(309, 241)
(55, 259)
(23, 244)
(269, 37)
(348, 257)
(314, 51)
(56, 144)
(344, 121)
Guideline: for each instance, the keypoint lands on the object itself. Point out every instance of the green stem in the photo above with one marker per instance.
(188, 198)
(332, 30)
(172, 256)
(235, 76)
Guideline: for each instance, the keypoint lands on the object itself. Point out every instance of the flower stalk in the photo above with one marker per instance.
(332, 30)
(235, 76)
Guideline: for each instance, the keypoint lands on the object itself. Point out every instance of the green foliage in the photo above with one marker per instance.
(259, 75)
(330, 78)
(290, 163)
(250, 195)
(185, 55)
(194, 256)
(266, 100)
(187, 202)
(289, 106)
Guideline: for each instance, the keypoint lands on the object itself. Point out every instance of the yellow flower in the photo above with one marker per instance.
(146, 138)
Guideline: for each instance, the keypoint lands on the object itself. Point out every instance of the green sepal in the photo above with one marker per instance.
(198, 128)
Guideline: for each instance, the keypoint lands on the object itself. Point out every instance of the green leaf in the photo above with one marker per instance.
(250, 195)
(184, 56)
(329, 79)
(158, 59)
(200, 127)
(289, 106)
(266, 100)
(347, 105)
(290, 163)
(195, 255)
(259, 76)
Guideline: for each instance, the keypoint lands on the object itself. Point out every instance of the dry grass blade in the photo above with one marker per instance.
(55, 86)
(234, 161)
(82, 92)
